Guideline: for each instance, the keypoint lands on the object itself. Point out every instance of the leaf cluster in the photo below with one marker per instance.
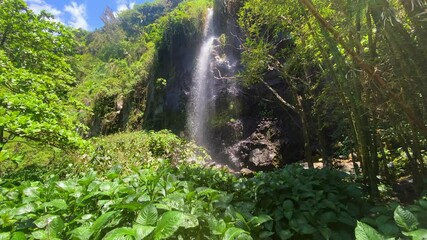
(147, 204)
(403, 223)
(312, 204)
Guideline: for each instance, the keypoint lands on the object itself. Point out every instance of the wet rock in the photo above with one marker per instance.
(262, 150)
(246, 172)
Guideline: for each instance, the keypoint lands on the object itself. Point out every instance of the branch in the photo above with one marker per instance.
(4, 36)
(278, 96)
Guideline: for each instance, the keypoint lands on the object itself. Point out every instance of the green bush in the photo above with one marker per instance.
(147, 184)
(394, 221)
(149, 203)
(302, 204)
(139, 149)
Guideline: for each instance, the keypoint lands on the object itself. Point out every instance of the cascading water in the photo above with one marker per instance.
(200, 92)
(212, 95)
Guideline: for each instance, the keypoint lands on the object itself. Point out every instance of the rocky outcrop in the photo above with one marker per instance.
(262, 150)
(243, 127)
(166, 104)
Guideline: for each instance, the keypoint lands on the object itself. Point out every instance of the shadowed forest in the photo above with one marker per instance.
(216, 119)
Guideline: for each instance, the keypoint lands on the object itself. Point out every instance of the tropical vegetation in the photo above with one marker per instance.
(78, 158)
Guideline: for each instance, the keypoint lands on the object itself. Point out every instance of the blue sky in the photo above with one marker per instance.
(81, 13)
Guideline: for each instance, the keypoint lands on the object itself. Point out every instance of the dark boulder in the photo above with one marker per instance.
(262, 150)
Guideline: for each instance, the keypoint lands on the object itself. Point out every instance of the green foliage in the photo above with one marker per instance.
(302, 203)
(365, 232)
(134, 20)
(331, 56)
(404, 223)
(128, 150)
(149, 203)
(141, 196)
(35, 78)
(405, 219)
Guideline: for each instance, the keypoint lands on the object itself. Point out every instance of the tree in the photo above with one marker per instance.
(35, 78)
(280, 47)
(368, 54)
(390, 74)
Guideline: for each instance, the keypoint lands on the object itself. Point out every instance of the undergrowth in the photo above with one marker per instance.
(154, 185)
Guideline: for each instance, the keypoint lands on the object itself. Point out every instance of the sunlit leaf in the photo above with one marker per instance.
(405, 219)
(365, 232)
(147, 216)
(168, 224)
(142, 231)
(120, 233)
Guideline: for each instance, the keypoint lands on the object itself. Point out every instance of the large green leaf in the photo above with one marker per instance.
(120, 233)
(405, 219)
(40, 234)
(233, 233)
(27, 208)
(168, 224)
(5, 236)
(147, 216)
(288, 208)
(81, 233)
(142, 231)
(53, 224)
(102, 221)
(68, 185)
(423, 203)
(57, 203)
(365, 232)
(419, 234)
(43, 235)
(31, 192)
(86, 232)
(260, 219)
(18, 236)
(87, 179)
(217, 227)
(285, 234)
(189, 221)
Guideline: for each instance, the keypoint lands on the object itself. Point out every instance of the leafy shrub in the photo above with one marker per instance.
(125, 151)
(220, 179)
(301, 204)
(159, 199)
(139, 149)
(145, 184)
(150, 203)
(402, 223)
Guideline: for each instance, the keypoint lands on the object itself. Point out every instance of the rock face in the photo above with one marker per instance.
(247, 127)
(262, 150)
(166, 104)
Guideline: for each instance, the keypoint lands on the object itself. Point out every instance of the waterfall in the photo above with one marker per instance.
(198, 111)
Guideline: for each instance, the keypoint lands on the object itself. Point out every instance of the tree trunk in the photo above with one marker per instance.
(2, 138)
(324, 148)
(305, 131)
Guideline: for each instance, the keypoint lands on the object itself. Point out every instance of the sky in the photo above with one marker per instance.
(83, 14)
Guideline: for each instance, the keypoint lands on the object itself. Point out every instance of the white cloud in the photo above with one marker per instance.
(38, 5)
(123, 5)
(78, 15)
